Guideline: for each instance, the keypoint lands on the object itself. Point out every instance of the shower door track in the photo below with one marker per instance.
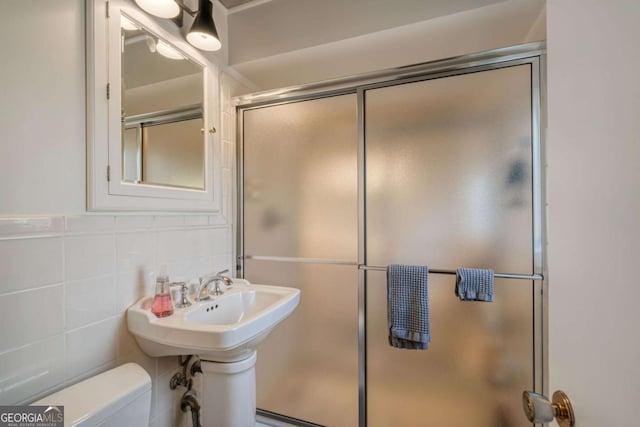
(530, 53)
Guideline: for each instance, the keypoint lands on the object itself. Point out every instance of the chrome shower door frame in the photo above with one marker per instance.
(533, 54)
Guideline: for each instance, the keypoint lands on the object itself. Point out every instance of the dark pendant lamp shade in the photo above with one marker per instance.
(203, 33)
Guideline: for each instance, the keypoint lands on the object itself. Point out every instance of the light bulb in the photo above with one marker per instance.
(160, 8)
(126, 24)
(203, 33)
(168, 51)
(203, 41)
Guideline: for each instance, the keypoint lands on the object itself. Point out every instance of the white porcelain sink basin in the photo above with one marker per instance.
(226, 328)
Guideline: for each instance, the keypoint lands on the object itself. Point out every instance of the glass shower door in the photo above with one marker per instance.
(449, 179)
(448, 184)
(300, 230)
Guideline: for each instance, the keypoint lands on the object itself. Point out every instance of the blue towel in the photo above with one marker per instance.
(474, 284)
(408, 306)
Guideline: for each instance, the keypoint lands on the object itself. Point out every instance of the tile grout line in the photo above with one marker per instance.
(31, 236)
(92, 372)
(94, 323)
(64, 299)
(30, 343)
(155, 259)
(82, 279)
(36, 288)
(114, 285)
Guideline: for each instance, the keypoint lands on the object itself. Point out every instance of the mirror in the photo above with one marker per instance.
(162, 103)
(152, 111)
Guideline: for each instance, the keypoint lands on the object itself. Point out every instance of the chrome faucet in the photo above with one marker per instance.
(204, 292)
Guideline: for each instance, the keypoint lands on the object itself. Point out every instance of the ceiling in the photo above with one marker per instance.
(234, 3)
(266, 28)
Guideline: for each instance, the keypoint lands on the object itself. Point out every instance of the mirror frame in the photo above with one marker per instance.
(106, 191)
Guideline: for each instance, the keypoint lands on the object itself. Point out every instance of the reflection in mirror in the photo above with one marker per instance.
(163, 141)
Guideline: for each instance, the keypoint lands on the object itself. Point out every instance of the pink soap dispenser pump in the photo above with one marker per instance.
(162, 304)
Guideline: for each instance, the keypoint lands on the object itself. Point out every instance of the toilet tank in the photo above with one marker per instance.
(120, 397)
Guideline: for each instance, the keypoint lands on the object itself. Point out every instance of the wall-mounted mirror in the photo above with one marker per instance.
(152, 115)
(162, 126)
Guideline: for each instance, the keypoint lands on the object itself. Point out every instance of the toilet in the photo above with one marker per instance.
(120, 397)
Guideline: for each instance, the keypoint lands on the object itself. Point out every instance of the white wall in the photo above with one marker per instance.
(594, 207)
(66, 278)
(42, 103)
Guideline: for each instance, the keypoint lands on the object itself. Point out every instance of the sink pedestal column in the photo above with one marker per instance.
(229, 393)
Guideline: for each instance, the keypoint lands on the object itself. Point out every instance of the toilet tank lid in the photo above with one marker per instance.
(100, 395)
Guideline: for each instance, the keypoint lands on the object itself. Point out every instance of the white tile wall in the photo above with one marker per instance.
(24, 227)
(90, 300)
(89, 224)
(176, 221)
(134, 251)
(90, 347)
(35, 367)
(27, 263)
(135, 223)
(66, 282)
(29, 316)
(133, 284)
(197, 220)
(89, 256)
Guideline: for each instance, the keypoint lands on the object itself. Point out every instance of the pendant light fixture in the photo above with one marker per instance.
(161, 8)
(203, 33)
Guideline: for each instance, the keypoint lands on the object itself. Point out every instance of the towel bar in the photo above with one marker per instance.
(375, 267)
(453, 272)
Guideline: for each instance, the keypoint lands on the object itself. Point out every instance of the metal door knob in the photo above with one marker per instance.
(538, 409)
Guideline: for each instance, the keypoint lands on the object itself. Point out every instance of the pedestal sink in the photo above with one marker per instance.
(224, 332)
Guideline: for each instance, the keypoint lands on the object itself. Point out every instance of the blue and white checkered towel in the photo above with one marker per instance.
(408, 306)
(474, 284)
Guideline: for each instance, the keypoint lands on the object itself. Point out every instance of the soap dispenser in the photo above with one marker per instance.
(162, 304)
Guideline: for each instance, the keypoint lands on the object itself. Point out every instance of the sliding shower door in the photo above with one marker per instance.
(300, 229)
(448, 184)
(437, 167)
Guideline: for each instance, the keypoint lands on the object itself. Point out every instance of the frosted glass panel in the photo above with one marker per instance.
(173, 153)
(307, 367)
(449, 183)
(131, 155)
(478, 363)
(300, 179)
(449, 172)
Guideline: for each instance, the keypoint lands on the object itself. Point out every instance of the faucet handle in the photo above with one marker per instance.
(184, 289)
(222, 272)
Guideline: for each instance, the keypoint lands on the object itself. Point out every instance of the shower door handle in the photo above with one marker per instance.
(538, 409)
